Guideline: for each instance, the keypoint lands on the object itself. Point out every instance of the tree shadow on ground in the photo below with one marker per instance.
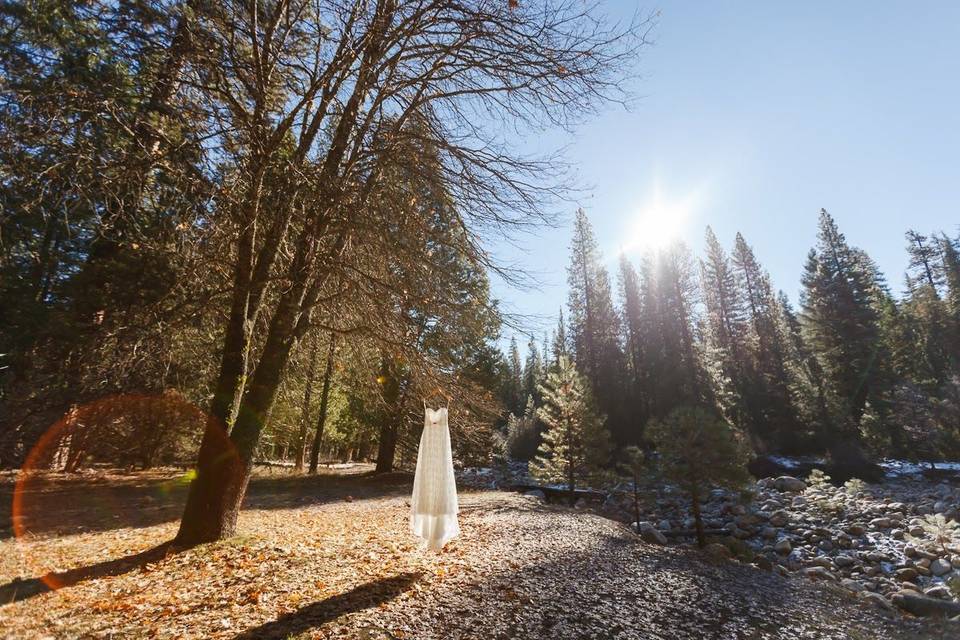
(17, 589)
(64, 505)
(370, 594)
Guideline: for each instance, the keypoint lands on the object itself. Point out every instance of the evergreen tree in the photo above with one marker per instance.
(698, 451)
(766, 349)
(575, 445)
(804, 376)
(951, 271)
(677, 375)
(523, 435)
(841, 325)
(636, 340)
(532, 370)
(560, 346)
(594, 326)
(725, 348)
(925, 269)
(513, 394)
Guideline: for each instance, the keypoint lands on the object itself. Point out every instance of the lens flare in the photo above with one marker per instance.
(83, 431)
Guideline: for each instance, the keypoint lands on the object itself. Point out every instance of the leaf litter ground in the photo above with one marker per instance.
(330, 556)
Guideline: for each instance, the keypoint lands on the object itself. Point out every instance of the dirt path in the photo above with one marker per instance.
(345, 567)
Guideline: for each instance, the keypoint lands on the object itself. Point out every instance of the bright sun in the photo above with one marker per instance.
(660, 221)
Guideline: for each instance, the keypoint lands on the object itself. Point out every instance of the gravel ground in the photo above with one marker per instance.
(345, 567)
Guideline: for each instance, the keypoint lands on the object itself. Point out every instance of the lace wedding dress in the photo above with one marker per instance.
(433, 509)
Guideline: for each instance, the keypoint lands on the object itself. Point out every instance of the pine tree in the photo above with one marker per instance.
(951, 271)
(636, 338)
(594, 327)
(560, 348)
(725, 354)
(523, 436)
(677, 377)
(842, 326)
(532, 370)
(924, 269)
(766, 350)
(576, 444)
(804, 376)
(513, 394)
(698, 451)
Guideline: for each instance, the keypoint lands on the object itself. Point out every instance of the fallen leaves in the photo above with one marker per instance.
(330, 571)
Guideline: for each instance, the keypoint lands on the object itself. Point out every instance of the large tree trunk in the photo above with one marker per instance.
(226, 459)
(305, 412)
(387, 449)
(324, 398)
(392, 415)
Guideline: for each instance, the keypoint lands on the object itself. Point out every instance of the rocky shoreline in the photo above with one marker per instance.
(895, 544)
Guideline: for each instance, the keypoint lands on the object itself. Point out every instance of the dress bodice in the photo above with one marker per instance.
(436, 417)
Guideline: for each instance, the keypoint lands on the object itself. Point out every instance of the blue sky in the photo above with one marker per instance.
(750, 117)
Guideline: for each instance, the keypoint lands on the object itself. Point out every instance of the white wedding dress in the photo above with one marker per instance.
(433, 509)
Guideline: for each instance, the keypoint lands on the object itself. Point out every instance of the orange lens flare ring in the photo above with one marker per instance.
(45, 451)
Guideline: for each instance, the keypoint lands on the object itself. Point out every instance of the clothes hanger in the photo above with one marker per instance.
(443, 396)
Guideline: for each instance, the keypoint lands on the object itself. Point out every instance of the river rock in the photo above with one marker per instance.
(717, 551)
(920, 605)
(650, 534)
(789, 484)
(819, 573)
(907, 574)
(941, 591)
(940, 567)
(843, 560)
(876, 599)
(783, 547)
(779, 518)
(852, 585)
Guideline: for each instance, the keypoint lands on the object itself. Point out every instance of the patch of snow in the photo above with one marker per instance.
(795, 462)
(896, 468)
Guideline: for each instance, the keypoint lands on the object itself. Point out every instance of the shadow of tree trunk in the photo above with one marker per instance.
(370, 594)
(18, 589)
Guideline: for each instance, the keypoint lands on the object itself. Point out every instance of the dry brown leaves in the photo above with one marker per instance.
(350, 569)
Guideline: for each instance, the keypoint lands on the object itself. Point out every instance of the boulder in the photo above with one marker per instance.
(789, 484)
(925, 606)
(852, 585)
(650, 534)
(907, 574)
(940, 567)
(717, 551)
(940, 591)
(877, 600)
(819, 573)
(843, 560)
(779, 518)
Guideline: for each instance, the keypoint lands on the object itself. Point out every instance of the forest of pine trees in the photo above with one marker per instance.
(855, 372)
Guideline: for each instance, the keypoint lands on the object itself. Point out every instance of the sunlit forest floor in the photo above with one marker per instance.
(330, 557)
